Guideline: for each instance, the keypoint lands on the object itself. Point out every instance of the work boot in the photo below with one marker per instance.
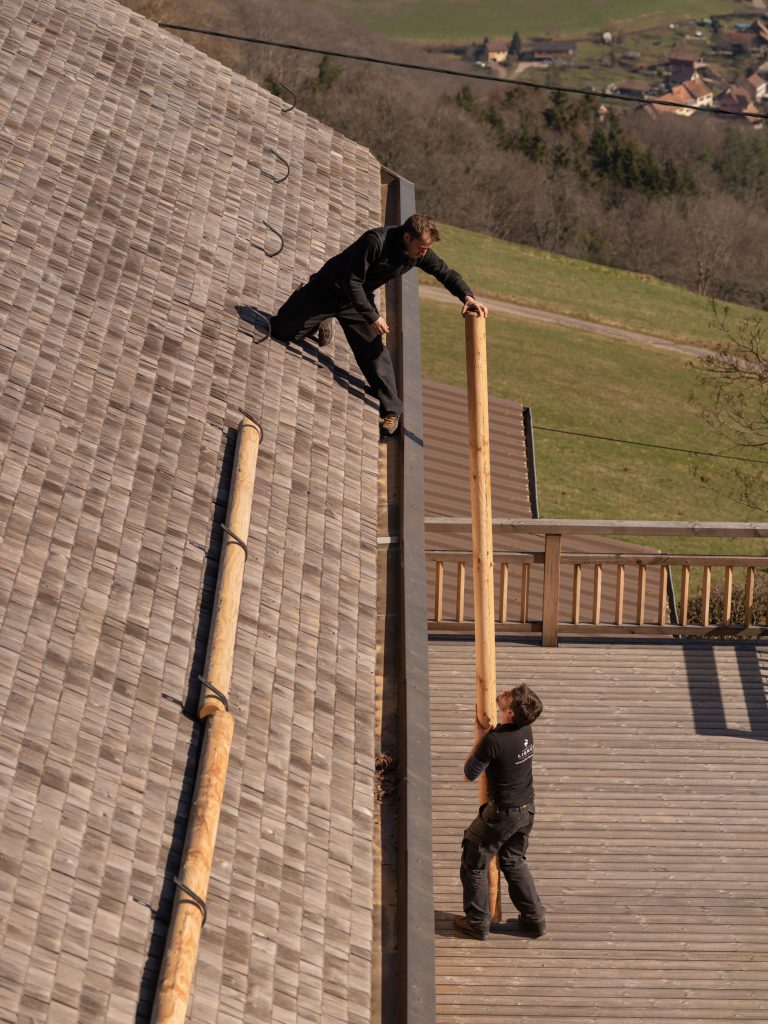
(461, 924)
(325, 333)
(532, 927)
(389, 424)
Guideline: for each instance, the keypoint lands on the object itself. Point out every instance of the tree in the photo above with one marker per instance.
(327, 73)
(735, 402)
(516, 46)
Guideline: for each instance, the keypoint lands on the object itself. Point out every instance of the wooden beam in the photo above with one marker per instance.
(633, 527)
(175, 984)
(229, 586)
(482, 550)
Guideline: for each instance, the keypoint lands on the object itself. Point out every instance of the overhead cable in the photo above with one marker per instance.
(458, 74)
(649, 444)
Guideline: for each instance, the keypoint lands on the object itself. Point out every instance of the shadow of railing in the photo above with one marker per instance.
(704, 686)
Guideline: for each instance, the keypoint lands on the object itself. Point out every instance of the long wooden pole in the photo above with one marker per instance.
(482, 550)
(229, 586)
(175, 985)
(189, 910)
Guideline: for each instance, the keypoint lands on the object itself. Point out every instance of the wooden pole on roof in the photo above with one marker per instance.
(189, 908)
(217, 673)
(482, 551)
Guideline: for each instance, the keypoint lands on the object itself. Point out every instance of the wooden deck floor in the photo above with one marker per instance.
(651, 844)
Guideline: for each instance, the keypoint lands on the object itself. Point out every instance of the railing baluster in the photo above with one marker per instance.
(439, 574)
(749, 596)
(551, 607)
(461, 577)
(641, 574)
(548, 619)
(685, 586)
(728, 596)
(576, 594)
(706, 593)
(503, 591)
(597, 596)
(662, 595)
(619, 595)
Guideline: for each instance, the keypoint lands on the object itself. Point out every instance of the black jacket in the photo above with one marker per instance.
(376, 257)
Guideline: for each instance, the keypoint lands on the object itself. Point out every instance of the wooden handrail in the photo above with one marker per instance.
(610, 557)
(600, 527)
(648, 618)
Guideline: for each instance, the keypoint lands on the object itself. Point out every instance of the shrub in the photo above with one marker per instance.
(717, 602)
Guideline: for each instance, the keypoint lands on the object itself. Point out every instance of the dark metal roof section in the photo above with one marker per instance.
(446, 460)
(145, 228)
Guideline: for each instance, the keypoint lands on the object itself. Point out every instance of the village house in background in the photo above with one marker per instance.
(699, 73)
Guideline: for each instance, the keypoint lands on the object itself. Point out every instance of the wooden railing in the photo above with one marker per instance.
(553, 592)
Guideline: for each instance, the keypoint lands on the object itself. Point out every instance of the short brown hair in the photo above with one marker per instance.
(419, 224)
(525, 704)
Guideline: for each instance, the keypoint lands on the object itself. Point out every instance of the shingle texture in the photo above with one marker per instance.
(132, 185)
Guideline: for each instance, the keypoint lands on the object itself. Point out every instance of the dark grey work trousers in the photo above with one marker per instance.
(306, 309)
(503, 831)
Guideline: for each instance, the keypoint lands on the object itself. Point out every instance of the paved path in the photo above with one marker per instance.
(528, 313)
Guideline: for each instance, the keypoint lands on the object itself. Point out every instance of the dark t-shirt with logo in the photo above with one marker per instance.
(506, 754)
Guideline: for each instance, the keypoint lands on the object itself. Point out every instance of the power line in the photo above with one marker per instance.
(573, 90)
(648, 444)
(523, 84)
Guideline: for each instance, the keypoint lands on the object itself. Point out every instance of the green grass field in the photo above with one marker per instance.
(589, 291)
(579, 382)
(449, 20)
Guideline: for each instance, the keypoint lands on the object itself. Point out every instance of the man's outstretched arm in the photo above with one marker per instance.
(453, 281)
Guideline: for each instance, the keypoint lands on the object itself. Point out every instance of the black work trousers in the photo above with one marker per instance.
(504, 832)
(306, 309)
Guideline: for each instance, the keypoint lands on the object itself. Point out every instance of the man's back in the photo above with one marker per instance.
(508, 753)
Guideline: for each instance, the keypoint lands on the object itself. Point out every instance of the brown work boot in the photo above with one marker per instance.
(389, 424)
(461, 924)
(325, 333)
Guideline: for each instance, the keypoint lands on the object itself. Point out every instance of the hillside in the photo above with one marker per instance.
(685, 203)
(586, 384)
(439, 20)
(589, 291)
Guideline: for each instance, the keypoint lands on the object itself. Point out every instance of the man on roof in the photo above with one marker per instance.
(343, 288)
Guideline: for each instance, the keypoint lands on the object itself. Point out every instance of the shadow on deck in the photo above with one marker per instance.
(650, 844)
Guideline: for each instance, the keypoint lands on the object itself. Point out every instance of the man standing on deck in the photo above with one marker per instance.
(502, 825)
(344, 287)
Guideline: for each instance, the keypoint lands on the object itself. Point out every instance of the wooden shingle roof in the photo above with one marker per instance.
(135, 174)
